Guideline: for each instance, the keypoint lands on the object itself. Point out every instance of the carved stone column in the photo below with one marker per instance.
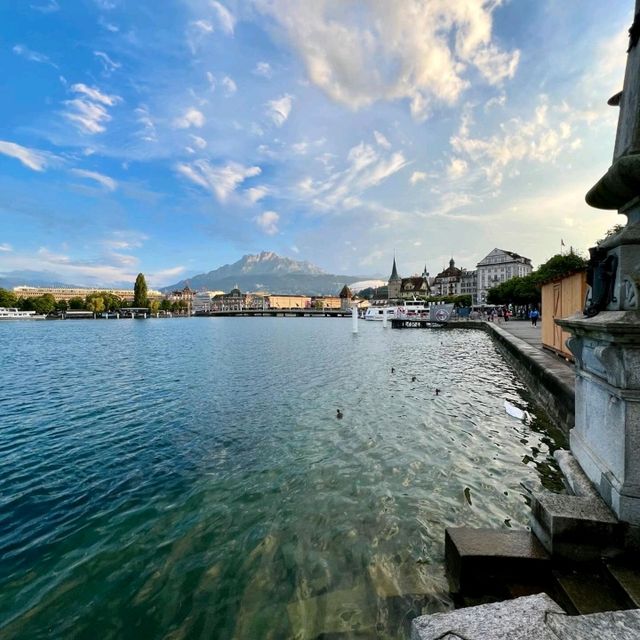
(606, 436)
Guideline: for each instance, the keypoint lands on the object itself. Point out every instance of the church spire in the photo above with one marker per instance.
(394, 271)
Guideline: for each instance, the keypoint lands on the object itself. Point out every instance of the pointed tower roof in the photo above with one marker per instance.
(394, 272)
(346, 292)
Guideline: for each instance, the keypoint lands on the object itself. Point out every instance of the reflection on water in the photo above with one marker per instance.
(189, 479)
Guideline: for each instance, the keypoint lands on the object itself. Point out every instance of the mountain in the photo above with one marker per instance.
(268, 271)
(11, 279)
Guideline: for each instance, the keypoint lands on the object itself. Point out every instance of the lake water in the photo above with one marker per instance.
(188, 478)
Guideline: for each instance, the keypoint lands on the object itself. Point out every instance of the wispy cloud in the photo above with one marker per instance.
(33, 56)
(49, 7)
(381, 140)
(279, 109)
(108, 64)
(192, 117)
(226, 19)
(32, 158)
(229, 85)
(108, 183)
(417, 176)
(5, 246)
(221, 181)
(263, 69)
(88, 112)
(268, 222)
(413, 50)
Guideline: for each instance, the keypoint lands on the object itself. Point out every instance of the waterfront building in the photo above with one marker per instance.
(498, 267)
(66, 293)
(326, 302)
(469, 285)
(449, 281)
(288, 302)
(414, 287)
(235, 300)
(345, 297)
(202, 301)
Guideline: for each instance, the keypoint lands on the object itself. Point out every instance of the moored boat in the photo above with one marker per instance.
(11, 313)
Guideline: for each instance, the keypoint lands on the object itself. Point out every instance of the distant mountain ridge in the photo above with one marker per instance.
(267, 271)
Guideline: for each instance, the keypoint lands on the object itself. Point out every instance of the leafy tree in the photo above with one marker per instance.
(62, 305)
(559, 265)
(140, 292)
(154, 305)
(8, 298)
(165, 305)
(367, 294)
(95, 303)
(77, 303)
(44, 304)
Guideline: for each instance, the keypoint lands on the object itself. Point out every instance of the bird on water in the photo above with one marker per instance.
(339, 414)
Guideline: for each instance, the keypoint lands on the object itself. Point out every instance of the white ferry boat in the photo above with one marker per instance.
(11, 313)
(408, 309)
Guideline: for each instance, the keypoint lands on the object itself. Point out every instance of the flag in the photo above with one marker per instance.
(561, 242)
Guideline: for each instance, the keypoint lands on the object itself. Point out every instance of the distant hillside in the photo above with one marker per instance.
(268, 271)
(12, 279)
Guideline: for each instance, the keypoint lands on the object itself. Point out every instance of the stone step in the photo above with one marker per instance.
(576, 528)
(485, 561)
(522, 618)
(626, 577)
(611, 625)
(584, 591)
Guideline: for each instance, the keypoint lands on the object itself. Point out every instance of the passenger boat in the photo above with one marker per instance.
(11, 313)
(408, 309)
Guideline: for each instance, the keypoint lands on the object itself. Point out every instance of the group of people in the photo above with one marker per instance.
(499, 314)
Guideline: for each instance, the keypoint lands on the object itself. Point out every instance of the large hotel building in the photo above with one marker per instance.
(66, 293)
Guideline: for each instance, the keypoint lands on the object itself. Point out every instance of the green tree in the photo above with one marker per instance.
(154, 305)
(62, 305)
(77, 303)
(165, 305)
(140, 292)
(95, 303)
(44, 304)
(8, 298)
(559, 265)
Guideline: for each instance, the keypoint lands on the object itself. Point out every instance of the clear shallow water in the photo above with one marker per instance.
(188, 478)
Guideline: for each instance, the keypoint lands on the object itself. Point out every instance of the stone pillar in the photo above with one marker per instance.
(606, 436)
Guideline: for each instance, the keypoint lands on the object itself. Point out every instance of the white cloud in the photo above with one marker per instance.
(226, 20)
(263, 69)
(89, 111)
(199, 142)
(190, 118)
(381, 140)
(278, 110)
(268, 222)
(143, 117)
(542, 138)
(5, 246)
(50, 7)
(96, 95)
(33, 56)
(229, 86)
(107, 63)
(203, 25)
(255, 194)
(32, 158)
(457, 168)
(108, 183)
(413, 50)
(417, 176)
(221, 181)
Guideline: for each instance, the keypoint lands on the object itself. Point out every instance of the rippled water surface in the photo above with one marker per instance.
(188, 478)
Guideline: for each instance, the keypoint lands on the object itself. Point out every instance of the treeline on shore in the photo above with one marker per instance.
(96, 302)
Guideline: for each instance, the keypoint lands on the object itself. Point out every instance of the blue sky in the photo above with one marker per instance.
(173, 137)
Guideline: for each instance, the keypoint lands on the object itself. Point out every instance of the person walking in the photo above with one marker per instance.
(533, 315)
